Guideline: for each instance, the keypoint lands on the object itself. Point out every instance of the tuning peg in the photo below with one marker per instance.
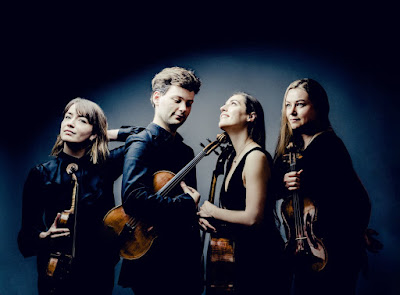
(209, 140)
(216, 152)
(202, 145)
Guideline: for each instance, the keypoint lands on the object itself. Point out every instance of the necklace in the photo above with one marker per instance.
(312, 138)
(237, 156)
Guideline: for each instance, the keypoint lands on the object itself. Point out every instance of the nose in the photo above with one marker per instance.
(182, 106)
(222, 108)
(293, 111)
(71, 122)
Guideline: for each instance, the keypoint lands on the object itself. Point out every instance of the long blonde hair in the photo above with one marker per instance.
(98, 149)
(318, 97)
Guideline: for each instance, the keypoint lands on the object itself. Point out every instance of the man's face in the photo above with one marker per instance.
(172, 108)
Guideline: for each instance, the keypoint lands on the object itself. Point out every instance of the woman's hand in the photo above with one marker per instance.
(55, 232)
(206, 225)
(207, 209)
(292, 180)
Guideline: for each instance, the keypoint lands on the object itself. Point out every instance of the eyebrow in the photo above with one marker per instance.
(297, 100)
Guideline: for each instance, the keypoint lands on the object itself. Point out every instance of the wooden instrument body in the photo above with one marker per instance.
(306, 248)
(220, 265)
(299, 216)
(133, 234)
(59, 266)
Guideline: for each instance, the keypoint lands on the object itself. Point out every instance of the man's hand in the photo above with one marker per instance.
(191, 191)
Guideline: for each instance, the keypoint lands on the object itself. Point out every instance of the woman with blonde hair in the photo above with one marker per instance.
(323, 175)
(48, 231)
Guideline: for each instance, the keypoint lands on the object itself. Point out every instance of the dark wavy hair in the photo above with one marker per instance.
(256, 128)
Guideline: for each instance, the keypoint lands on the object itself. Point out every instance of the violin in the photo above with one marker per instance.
(60, 261)
(299, 214)
(136, 236)
(220, 264)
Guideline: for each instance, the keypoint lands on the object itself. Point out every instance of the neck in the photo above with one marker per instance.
(165, 126)
(74, 150)
(239, 141)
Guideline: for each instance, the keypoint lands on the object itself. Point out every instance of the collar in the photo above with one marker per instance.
(162, 134)
(70, 159)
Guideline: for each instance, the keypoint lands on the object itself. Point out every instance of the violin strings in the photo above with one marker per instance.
(178, 177)
(296, 203)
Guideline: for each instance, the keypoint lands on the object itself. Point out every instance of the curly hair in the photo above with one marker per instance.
(175, 76)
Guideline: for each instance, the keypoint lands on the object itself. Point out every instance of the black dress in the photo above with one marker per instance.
(258, 248)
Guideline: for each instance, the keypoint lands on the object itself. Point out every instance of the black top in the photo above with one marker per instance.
(172, 264)
(331, 182)
(48, 191)
(257, 248)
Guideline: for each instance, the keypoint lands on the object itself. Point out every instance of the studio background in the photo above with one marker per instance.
(51, 58)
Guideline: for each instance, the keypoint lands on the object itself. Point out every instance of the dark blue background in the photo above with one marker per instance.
(52, 54)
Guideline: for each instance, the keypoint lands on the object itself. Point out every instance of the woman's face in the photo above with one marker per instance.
(299, 109)
(75, 128)
(233, 112)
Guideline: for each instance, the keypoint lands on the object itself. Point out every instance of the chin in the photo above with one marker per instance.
(221, 125)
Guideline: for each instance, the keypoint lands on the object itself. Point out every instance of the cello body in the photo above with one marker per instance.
(220, 263)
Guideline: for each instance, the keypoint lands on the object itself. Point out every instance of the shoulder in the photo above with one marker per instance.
(330, 147)
(258, 154)
(144, 135)
(258, 158)
(48, 166)
(328, 137)
(44, 170)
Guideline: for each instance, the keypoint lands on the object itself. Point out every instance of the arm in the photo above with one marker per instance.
(115, 160)
(122, 133)
(256, 174)
(32, 215)
(137, 185)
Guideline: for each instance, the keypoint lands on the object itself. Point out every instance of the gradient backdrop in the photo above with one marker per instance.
(54, 54)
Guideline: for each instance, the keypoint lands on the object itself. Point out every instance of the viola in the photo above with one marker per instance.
(220, 252)
(61, 258)
(136, 236)
(299, 214)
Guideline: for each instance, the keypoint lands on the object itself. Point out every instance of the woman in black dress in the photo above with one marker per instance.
(325, 175)
(244, 199)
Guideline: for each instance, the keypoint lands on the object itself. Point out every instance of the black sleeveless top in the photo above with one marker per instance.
(257, 246)
(234, 198)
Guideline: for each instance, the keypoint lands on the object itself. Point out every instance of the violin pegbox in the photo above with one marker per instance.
(213, 145)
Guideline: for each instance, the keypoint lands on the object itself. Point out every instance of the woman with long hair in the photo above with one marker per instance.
(337, 209)
(244, 198)
(74, 255)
